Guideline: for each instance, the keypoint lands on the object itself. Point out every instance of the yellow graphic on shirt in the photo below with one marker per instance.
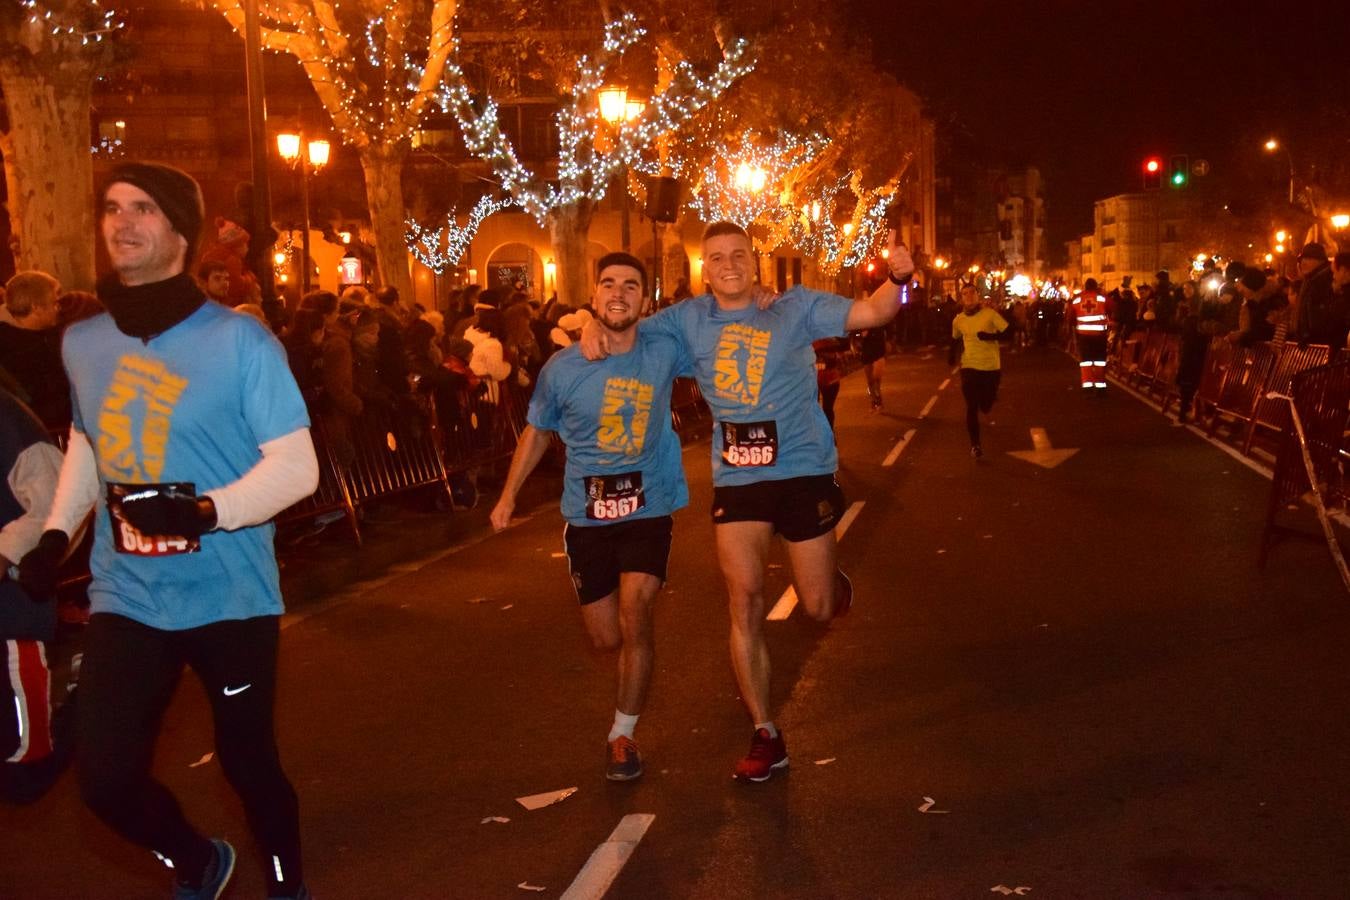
(624, 415)
(140, 388)
(741, 355)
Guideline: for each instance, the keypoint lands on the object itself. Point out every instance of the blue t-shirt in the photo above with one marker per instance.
(623, 457)
(757, 371)
(190, 405)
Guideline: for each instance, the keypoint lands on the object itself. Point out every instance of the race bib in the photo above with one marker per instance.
(126, 539)
(749, 444)
(611, 497)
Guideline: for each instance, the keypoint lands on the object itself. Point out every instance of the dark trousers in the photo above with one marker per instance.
(127, 679)
(980, 388)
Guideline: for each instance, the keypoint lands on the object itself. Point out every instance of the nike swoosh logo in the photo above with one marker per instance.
(230, 692)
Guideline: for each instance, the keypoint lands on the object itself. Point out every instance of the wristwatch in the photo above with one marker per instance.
(900, 281)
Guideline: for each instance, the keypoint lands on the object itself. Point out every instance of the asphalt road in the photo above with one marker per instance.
(1078, 671)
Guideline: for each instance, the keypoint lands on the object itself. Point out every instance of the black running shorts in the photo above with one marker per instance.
(799, 508)
(597, 554)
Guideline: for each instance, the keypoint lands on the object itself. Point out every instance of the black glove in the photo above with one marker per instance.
(179, 515)
(987, 335)
(40, 567)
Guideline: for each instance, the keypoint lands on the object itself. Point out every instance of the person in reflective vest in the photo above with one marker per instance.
(1090, 325)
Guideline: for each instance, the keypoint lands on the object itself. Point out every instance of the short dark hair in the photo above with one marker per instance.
(717, 229)
(211, 266)
(1090, 284)
(325, 302)
(622, 259)
(1341, 260)
(387, 295)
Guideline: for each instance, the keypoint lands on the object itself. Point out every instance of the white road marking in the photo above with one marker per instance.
(1252, 464)
(788, 602)
(608, 860)
(899, 448)
(942, 387)
(928, 407)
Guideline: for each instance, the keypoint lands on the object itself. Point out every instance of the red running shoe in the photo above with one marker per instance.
(767, 753)
(623, 761)
(844, 586)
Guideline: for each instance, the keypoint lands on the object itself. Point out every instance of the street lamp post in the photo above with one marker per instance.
(1274, 146)
(315, 156)
(617, 109)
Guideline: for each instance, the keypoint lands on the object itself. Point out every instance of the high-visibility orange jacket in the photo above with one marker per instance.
(1089, 313)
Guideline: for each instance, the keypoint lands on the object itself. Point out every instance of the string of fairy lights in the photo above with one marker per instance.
(746, 182)
(89, 21)
(584, 171)
(441, 248)
(387, 67)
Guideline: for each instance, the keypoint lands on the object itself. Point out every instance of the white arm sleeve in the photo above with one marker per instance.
(288, 472)
(32, 481)
(77, 491)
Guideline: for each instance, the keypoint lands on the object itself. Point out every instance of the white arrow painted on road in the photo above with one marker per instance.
(1042, 453)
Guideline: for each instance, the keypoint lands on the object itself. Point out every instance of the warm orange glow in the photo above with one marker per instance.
(288, 146)
(1340, 220)
(613, 100)
(318, 153)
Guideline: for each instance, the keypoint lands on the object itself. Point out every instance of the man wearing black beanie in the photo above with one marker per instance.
(184, 454)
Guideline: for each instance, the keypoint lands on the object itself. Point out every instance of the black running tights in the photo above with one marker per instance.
(129, 674)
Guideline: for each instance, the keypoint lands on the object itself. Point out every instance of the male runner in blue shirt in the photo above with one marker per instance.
(623, 480)
(189, 434)
(773, 452)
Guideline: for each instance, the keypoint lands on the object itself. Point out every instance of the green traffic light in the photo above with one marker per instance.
(1179, 178)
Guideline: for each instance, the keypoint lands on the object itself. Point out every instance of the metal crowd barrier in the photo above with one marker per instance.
(1322, 396)
(425, 445)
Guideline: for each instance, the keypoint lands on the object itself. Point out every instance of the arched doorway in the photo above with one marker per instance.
(515, 266)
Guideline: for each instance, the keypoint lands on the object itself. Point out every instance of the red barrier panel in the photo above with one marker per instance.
(1323, 399)
(1242, 385)
(1273, 414)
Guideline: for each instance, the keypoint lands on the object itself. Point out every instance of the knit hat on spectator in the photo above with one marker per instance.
(1253, 279)
(228, 232)
(1313, 250)
(175, 192)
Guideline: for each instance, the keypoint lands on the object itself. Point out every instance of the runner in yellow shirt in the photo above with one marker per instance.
(975, 333)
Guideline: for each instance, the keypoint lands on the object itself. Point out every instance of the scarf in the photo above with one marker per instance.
(146, 310)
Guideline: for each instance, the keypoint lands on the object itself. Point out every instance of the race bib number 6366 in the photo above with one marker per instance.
(747, 444)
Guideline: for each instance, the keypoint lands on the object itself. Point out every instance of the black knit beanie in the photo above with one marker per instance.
(176, 192)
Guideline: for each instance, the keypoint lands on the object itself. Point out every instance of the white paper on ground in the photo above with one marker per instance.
(526, 886)
(539, 801)
(501, 820)
(825, 762)
(201, 762)
(1008, 892)
(507, 606)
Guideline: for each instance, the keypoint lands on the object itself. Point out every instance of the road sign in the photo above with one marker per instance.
(1200, 168)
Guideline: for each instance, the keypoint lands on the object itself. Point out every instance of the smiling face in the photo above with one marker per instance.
(619, 299)
(142, 244)
(729, 267)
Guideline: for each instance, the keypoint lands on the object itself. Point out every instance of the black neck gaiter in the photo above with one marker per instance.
(145, 310)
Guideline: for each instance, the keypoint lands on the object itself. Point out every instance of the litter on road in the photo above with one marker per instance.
(539, 801)
(500, 820)
(201, 762)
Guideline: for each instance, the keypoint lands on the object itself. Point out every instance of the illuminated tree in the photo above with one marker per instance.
(564, 201)
(375, 67)
(50, 52)
(443, 247)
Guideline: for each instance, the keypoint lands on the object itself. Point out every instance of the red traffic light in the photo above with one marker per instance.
(1153, 165)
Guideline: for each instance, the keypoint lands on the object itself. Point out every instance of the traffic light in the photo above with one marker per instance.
(1180, 173)
(1152, 173)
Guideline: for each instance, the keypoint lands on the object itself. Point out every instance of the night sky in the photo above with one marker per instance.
(1086, 91)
